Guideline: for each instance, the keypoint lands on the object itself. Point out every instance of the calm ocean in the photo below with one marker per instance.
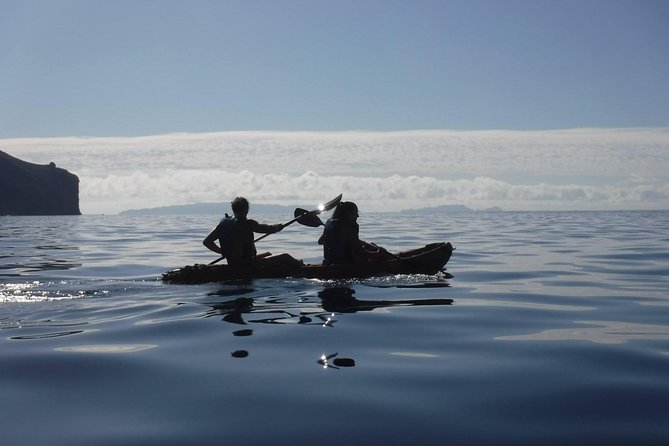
(557, 334)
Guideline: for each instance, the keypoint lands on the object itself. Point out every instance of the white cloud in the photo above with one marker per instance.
(567, 169)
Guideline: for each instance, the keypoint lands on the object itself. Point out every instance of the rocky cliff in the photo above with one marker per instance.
(33, 189)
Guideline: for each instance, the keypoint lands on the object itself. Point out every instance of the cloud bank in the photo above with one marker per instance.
(580, 169)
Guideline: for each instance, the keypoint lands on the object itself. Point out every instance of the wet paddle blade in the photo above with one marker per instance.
(331, 204)
(307, 218)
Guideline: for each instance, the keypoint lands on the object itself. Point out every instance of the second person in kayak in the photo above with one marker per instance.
(341, 241)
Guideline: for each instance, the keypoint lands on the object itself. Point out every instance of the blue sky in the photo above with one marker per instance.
(522, 104)
(124, 68)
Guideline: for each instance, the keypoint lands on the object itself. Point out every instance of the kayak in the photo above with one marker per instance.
(430, 259)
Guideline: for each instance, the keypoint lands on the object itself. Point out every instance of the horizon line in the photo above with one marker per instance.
(340, 131)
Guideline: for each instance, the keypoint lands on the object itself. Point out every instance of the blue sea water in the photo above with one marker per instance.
(552, 330)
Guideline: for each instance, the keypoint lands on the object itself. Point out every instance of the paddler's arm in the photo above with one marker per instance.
(210, 241)
(265, 229)
(377, 252)
(369, 247)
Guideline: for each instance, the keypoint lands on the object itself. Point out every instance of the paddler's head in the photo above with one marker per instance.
(346, 210)
(240, 207)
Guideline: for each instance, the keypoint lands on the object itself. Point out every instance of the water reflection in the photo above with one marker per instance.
(47, 335)
(238, 311)
(333, 299)
(231, 292)
(341, 300)
(50, 253)
(336, 363)
(46, 264)
(304, 310)
(42, 291)
(107, 348)
(232, 310)
(603, 332)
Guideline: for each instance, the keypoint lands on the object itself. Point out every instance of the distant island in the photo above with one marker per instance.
(34, 189)
(208, 209)
(221, 208)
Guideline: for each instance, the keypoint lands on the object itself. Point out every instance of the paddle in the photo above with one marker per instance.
(307, 218)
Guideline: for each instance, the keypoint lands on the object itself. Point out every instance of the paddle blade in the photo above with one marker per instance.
(307, 218)
(331, 204)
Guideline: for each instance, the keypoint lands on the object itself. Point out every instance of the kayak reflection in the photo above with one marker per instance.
(306, 311)
(306, 308)
(240, 310)
(341, 300)
(303, 311)
(337, 363)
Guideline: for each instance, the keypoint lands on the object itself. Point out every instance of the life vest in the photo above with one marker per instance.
(236, 240)
(337, 241)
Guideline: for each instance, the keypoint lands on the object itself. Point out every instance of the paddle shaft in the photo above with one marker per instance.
(283, 226)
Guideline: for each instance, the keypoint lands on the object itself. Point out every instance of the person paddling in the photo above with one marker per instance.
(341, 241)
(235, 238)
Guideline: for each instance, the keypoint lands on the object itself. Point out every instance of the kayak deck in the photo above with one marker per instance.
(429, 259)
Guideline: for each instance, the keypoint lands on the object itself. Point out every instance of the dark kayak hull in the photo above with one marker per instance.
(429, 259)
